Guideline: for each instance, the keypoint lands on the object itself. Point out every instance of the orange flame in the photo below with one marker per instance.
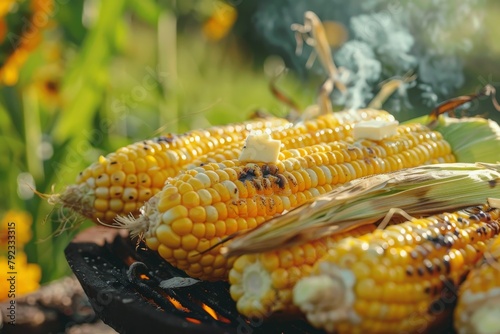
(176, 304)
(210, 311)
(193, 320)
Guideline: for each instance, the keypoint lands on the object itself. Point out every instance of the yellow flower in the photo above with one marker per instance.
(47, 78)
(40, 12)
(20, 279)
(5, 6)
(220, 23)
(16, 226)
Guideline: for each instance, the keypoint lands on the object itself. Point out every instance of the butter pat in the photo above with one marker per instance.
(260, 148)
(375, 130)
(494, 202)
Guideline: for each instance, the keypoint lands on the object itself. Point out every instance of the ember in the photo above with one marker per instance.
(123, 286)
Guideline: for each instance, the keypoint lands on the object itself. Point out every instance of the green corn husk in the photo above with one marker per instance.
(471, 138)
(417, 191)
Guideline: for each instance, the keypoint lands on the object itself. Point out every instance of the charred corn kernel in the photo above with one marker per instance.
(478, 306)
(269, 189)
(146, 166)
(393, 280)
(262, 283)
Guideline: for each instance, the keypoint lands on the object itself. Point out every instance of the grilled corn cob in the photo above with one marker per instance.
(121, 182)
(418, 191)
(312, 132)
(397, 279)
(200, 207)
(262, 283)
(478, 306)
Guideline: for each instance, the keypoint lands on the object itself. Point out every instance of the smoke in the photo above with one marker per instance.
(387, 39)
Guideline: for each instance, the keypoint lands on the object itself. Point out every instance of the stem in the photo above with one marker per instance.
(167, 62)
(33, 133)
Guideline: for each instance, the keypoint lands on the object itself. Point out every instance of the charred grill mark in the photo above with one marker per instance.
(270, 170)
(266, 183)
(447, 292)
(495, 226)
(473, 210)
(446, 263)
(292, 180)
(265, 170)
(437, 265)
(463, 221)
(263, 201)
(481, 230)
(281, 181)
(262, 178)
(370, 152)
(243, 176)
(492, 183)
(167, 139)
(271, 203)
(258, 184)
(474, 217)
(446, 240)
(248, 173)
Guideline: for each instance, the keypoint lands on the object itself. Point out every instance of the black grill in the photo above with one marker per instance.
(122, 283)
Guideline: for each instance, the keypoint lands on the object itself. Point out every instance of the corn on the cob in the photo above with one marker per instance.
(122, 181)
(312, 132)
(395, 280)
(262, 283)
(478, 307)
(202, 206)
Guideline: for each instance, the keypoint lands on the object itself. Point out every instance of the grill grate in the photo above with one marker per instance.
(122, 284)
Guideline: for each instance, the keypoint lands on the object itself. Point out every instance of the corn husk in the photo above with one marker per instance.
(417, 191)
(471, 138)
